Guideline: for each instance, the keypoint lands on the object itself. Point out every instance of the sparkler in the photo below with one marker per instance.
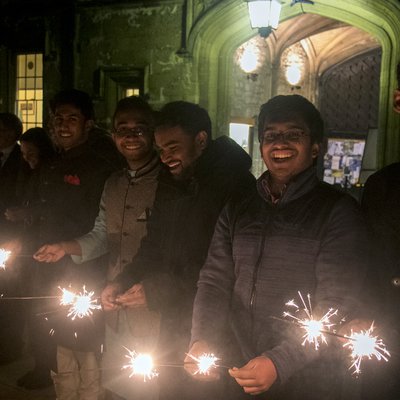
(314, 328)
(140, 364)
(82, 304)
(204, 363)
(4, 256)
(364, 345)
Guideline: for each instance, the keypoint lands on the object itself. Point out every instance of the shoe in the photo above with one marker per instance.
(35, 380)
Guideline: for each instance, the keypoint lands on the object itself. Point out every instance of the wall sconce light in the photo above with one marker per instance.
(264, 15)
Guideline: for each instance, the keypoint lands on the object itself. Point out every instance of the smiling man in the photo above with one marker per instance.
(294, 234)
(125, 208)
(66, 206)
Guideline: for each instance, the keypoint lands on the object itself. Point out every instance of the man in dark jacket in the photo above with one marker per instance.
(12, 312)
(380, 203)
(200, 176)
(69, 192)
(293, 234)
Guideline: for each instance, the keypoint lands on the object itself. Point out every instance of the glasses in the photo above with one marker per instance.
(137, 131)
(290, 135)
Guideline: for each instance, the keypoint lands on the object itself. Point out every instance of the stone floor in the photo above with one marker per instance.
(8, 382)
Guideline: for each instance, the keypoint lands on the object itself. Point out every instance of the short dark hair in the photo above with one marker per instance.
(134, 103)
(286, 108)
(189, 116)
(79, 99)
(12, 122)
(39, 137)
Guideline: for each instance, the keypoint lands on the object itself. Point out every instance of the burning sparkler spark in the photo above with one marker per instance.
(364, 345)
(82, 304)
(140, 364)
(67, 297)
(4, 256)
(314, 328)
(204, 363)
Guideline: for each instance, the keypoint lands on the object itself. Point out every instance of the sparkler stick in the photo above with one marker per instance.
(28, 297)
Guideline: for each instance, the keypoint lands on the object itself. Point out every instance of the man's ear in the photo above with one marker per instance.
(315, 147)
(201, 139)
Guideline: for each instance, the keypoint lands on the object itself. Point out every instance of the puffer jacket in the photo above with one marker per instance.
(262, 254)
(179, 234)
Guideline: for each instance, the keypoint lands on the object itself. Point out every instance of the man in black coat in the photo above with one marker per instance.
(200, 176)
(11, 313)
(10, 164)
(380, 203)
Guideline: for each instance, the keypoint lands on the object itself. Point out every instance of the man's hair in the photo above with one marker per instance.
(39, 137)
(134, 103)
(12, 122)
(289, 108)
(77, 98)
(190, 117)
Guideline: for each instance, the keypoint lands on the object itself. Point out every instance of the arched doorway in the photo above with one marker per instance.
(215, 37)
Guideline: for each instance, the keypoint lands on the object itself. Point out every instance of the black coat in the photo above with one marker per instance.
(8, 191)
(179, 234)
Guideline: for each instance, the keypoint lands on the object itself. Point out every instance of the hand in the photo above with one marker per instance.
(257, 376)
(50, 253)
(109, 297)
(133, 297)
(396, 101)
(198, 349)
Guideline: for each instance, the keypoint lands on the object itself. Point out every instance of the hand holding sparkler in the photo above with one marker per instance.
(109, 297)
(257, 376)
(200, 363)
(53, 252)
(133, 297)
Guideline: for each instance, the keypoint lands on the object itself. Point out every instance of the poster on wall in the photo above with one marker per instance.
(343, 159)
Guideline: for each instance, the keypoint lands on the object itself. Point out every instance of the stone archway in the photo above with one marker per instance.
(215, 36)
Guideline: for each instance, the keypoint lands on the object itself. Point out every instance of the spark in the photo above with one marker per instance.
(363, 345)
(314, 328)
(82, 304)
(4, 256)
(67, 297)
(204, 363)
(140, 364)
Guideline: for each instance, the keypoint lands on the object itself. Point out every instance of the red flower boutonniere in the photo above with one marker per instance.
(72, 179)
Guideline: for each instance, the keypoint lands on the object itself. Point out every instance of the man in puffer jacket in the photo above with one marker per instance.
(294, 234)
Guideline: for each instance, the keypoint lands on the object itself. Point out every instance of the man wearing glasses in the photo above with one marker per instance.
(125, 208)
(294, 234)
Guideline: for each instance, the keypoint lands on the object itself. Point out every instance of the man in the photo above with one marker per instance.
(69, 190)
(293, 234)
(125, 207)
(380, 203)
(12, 312)
(201, 174)
(10, 164)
